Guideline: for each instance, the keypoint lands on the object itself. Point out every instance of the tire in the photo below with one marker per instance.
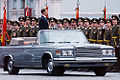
(100, 71)
(52, 70)
(10, 67)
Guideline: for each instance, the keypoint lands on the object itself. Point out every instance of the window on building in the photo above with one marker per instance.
(22, 4)
(14, 4)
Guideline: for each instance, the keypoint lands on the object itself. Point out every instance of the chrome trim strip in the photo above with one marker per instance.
(94, 59)
(87, 59)
(64, 59)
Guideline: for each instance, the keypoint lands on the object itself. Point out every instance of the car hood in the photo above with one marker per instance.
(76, 45)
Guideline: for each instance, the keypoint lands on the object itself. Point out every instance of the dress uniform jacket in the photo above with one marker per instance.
(116, 40)
(33, 31)
(87, 32)
(93, 35)
(20, 31)
(14, 33)
(107, 36)
(100, 32)
(26, 32)
(114, 35)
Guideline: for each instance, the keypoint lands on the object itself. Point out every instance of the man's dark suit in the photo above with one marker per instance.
(43, 24)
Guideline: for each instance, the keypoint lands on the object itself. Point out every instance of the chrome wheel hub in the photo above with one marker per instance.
(10, 66)
(50, 66)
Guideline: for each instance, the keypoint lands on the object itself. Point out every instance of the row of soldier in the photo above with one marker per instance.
(99, 31)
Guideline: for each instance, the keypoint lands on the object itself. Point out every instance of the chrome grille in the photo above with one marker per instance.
(87, 52)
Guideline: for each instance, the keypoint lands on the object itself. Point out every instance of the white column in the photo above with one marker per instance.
(1, 8)
(41, 6)
(36, 8)
(54, 8)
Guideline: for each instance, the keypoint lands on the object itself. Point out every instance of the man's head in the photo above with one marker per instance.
(34, 21)
(73, 22)
(66, 22)
(52, 21)
(21, 20)
(86, 22)
(28, 20)
(44, 12)
(101, 22)
(108, 22)
(9, 24)
(59, 23)
(95, 22)
(80, 21)
(115, 20)
(15, 25)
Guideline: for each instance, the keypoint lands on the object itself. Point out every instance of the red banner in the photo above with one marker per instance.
(28, 11)
(47, 10)
(4, 28)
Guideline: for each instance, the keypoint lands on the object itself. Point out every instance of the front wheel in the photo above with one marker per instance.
(100, 71)
(11, 68)
(52, 70)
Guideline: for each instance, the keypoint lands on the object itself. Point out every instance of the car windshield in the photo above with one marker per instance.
(62, 37)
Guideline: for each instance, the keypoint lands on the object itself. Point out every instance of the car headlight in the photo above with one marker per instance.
(67, 53)
(107, 52)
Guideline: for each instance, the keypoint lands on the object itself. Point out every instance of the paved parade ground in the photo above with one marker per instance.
(28, 74)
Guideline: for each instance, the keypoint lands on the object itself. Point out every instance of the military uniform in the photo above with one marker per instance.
(33, 31)
(27, 28)
(34, 28)
(107, 36)
(21, 29)
(9, 32)
(26, 32)
(15, 30)
(87, 32)
(93, 36)
(14, 33)
(100, 32)
(107, 33)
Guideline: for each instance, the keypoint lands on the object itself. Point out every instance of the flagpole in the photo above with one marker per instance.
(105, 10)
(46, 8)
(77, 9)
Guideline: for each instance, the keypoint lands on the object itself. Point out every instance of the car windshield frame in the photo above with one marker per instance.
(62, 36)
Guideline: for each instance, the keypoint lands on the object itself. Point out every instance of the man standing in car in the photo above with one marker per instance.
(43, 23)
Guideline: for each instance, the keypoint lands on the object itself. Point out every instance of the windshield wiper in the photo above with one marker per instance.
(64, 42)
(48, 42)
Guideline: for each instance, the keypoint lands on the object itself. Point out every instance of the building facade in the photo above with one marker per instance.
(16, 8)
(60, 8)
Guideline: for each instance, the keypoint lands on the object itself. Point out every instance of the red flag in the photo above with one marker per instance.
(4, 28)
(77, 10)
(104, 15)
(47, 10)
(27, 12)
